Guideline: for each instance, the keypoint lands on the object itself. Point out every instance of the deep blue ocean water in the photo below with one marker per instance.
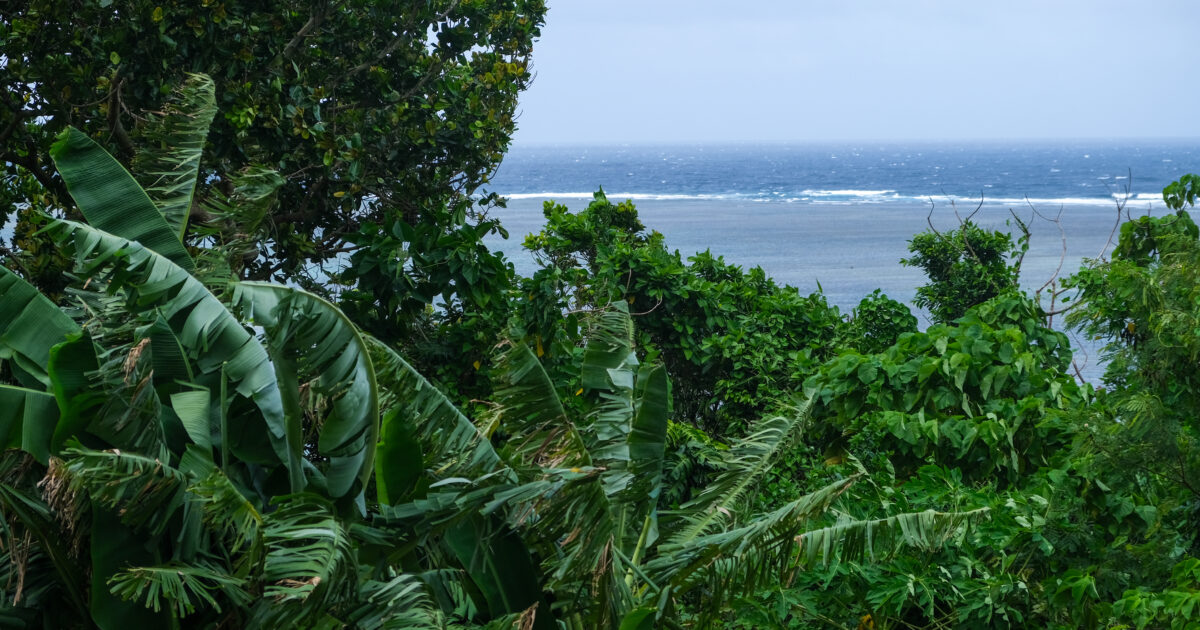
(838, 217)
(1068, 172)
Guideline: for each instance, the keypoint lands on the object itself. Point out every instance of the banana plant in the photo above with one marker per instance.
(578, 480)
(207, 449)
(246, 456)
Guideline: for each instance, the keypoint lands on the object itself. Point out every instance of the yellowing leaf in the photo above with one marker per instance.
(476, 364)
(339, 194)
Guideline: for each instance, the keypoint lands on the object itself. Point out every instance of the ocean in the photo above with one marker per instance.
(839, 217)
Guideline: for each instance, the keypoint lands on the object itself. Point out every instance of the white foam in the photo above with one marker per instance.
(848, 193)
(618, 196)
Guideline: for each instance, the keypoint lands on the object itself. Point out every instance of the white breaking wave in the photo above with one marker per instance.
(849, 193)
(620, 195)
(845, 197)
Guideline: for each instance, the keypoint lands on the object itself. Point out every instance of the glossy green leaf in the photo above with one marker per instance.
(27, 420)
(111, 199)
(327, 346)
(30, 325)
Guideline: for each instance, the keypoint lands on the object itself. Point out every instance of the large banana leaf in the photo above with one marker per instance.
(170, 166)
(421, 421)
(327, 345)
(212, 336)
(528, 407)
(111, 199)
(30, 324)
(575, 522)
(626, 428)
(27, 420)
(72, 368)
(723, 502)
(647, 443)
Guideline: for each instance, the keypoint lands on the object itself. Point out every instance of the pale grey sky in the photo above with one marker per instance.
(664, 71)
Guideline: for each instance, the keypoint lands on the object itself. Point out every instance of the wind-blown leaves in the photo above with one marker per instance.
(326, 344)
(309, 560)
(450, 443)
(111, 199)
(528, 407)
(178, 587)
(852, 540)
(212, 336)
(748, 553)
(170, 169)
(722, 501)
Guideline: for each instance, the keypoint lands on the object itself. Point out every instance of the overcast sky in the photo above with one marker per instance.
(669, 71)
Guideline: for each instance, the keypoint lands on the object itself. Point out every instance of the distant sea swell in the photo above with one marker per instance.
(1043, 173)
(845, 197)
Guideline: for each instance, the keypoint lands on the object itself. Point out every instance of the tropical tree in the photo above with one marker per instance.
(736, 343)
(379, 126)
(200, 451)
(966, 266)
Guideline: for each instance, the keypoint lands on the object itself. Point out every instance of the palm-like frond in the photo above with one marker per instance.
(401, 602)
(179, 588)
(309, 553)
(170, 166)
(744, 556)
(722, 503)
(110, 198)
(144, 491)
(228, 513)
(327, 345)
(855, 539)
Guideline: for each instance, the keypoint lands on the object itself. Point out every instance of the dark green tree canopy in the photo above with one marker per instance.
(965, 267)
(374, 113)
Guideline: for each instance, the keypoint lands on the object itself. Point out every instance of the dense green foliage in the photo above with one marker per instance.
(966, 266)
(733, 340)
(221, 416)
(372, 127)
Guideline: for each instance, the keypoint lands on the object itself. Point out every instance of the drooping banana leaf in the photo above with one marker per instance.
(723, 503)
(327, 345)
(27, 420)
(528, 408)
(497, 560)
(30, 324)
(309, 559)
(72, 364)
(575, 524)
(759, 550)
(111, 199)
(853, 540)
(170, 166)
(450, 443)
(213, 338)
